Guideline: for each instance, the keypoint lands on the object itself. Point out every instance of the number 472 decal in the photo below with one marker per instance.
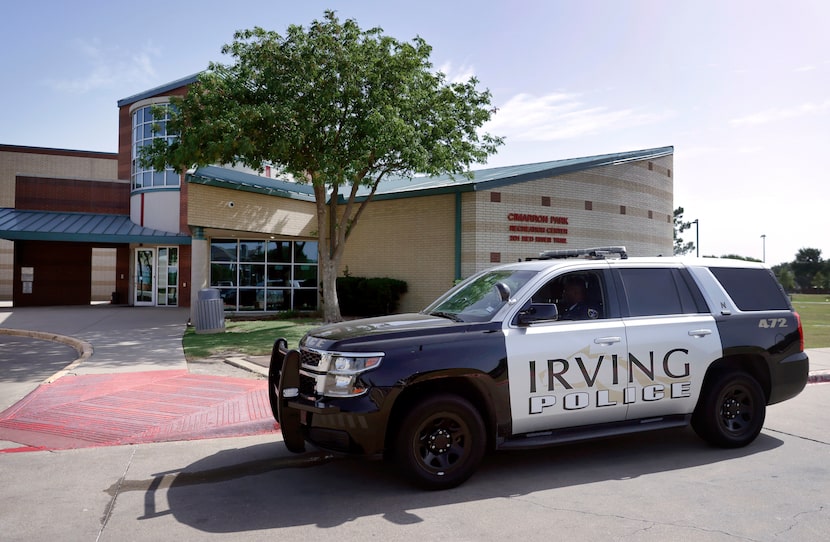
(772, 322)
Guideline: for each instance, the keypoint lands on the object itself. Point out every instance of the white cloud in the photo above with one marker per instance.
(782, 113)
(460, 74)
(104, 67)
(562, 116)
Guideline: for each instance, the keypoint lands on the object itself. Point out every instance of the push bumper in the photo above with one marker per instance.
(324, 425)
(284, 392)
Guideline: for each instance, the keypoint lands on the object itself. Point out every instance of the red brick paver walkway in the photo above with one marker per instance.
(136, 408)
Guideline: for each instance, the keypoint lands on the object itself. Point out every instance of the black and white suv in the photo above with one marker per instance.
(546, 352)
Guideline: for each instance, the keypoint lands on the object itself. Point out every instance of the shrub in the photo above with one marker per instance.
(360, 296)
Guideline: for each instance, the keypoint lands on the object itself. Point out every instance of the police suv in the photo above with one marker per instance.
(572, 345)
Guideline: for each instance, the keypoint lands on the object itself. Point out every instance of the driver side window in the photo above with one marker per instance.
(578, 295)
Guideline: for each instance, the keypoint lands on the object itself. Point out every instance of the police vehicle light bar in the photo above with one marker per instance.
(596, 253)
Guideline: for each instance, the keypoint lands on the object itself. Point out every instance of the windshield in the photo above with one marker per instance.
(478, 300)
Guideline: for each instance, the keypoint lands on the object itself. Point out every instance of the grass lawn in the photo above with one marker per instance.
(814, 310)
(256, 337)
(252, 337)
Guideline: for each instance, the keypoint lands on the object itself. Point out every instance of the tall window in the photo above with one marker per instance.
(264, 275)
(168, 276)
(143, 123)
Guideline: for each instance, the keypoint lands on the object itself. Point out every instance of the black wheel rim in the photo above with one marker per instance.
(442, 443)
(737, 410)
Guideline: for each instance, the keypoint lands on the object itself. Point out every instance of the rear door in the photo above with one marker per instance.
(672, 339)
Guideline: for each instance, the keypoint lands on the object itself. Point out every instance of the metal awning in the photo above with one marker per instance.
(23, 225)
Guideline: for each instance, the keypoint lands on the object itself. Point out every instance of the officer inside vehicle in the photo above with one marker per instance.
(575, 306)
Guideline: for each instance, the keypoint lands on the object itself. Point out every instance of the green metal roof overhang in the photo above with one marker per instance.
(406, 187)
(24, 225)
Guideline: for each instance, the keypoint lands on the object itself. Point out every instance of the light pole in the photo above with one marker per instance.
(697, 237)
(764, 244)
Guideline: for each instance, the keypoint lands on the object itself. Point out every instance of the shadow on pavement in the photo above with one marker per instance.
(269, 490)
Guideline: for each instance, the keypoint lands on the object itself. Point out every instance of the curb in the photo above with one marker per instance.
(242, 363)
(83, 348)
(818, 377)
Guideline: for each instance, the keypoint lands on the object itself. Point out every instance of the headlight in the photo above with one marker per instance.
(344, 370)
(353, 365)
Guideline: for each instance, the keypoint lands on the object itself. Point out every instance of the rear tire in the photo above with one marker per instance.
(731, 410)
(441, 442)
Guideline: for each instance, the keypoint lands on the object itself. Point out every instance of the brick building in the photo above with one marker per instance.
(77, 226)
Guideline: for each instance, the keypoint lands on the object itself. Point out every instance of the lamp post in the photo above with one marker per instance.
(764, 244)
(697, 237)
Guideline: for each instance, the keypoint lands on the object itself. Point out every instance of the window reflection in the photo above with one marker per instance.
(259, 275)
(147, 128)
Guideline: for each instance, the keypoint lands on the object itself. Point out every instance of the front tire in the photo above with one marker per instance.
(441, 442)
(731, 410)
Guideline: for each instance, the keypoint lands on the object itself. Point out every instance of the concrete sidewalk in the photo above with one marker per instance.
(109, 338)
(129, 384)
(819, 365)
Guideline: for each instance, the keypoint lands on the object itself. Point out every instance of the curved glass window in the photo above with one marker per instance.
(143, 134)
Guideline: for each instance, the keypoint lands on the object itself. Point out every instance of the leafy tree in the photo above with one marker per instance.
(335, 106)
(821, 280)
(681, 247)
(807, 264)
(785, 277)
(738, 257)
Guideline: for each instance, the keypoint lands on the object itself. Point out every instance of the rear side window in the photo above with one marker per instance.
(654, 292)
(752, 289)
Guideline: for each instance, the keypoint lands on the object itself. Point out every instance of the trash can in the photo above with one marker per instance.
(210, 312)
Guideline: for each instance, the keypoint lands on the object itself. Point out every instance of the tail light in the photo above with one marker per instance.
(800, 332)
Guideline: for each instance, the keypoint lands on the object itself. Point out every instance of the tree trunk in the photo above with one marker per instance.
(328, 251)
(331, 306)
(332, 246)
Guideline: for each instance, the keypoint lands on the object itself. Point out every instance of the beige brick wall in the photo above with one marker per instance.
(50, 165)
(6, 269)
(410, 239)
(486, 228)
(103, 273)
(210, 206)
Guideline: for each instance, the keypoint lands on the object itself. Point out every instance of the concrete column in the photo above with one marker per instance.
(200, 267)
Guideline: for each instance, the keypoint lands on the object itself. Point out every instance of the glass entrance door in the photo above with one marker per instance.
(168, 276)
(145, 259)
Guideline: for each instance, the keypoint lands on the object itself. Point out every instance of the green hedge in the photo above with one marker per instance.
(360, 296)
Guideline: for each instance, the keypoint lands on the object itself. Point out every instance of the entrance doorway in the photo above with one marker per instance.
(156, 277)
(145, 266)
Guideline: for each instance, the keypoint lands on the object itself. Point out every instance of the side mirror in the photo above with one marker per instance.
(538, 312)
(503, 290)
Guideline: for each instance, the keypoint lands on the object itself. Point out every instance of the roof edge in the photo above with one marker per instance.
(236, 180)
(184, 81)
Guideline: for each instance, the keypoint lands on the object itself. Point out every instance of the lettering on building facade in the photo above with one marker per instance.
(538, 228)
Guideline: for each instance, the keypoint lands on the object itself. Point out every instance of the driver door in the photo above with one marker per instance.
(567, 373)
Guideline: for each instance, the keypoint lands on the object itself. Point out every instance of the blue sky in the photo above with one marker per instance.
(741, 89)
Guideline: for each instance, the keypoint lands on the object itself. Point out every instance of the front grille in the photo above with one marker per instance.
(307, 385)
(309, 358)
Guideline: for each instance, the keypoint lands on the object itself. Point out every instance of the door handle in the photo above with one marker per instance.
(607, 340)
(700, 332)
